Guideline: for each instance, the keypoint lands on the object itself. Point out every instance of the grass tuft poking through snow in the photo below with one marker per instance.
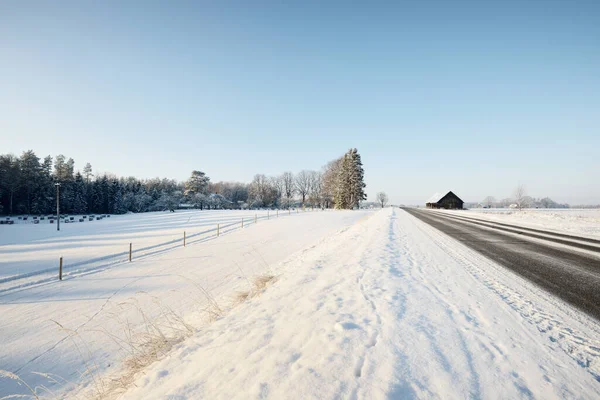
(262, 281)
(141, 346)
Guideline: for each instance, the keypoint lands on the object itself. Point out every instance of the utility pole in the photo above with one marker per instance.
(57, 206)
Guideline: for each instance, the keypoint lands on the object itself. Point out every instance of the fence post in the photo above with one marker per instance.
(129, 252)
(183, 238)
(60, 270)
(217, 230)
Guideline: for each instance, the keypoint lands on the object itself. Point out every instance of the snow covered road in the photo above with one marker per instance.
(388, 308)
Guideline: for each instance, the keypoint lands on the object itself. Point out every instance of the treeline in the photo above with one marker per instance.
(523, 202)
(28, 186)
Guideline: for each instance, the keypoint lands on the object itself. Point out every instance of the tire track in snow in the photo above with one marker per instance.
(526, 302)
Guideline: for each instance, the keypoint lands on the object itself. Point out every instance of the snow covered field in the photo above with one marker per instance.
(585, 222)
(95, 309)
(30, 253)
(366, 305)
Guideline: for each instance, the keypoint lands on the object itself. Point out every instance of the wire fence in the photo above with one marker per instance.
(66, 269)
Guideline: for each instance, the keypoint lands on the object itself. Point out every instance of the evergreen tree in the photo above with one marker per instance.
(357, 179)
(30, 167)
(87, 172)
(118, 205)
(79, 198)
(197, 183)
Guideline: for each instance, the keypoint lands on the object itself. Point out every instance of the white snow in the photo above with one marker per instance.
(583, 222)
(30, 253)
(367, 305)
(95, 308)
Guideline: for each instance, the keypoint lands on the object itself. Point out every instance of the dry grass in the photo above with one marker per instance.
(262, 281)
(258, 284)
(141, 344)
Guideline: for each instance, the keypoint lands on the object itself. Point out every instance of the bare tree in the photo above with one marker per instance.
(261, 192)
(520, 197)
(489, 201)
(279, 186)
(303, 184)
(289, 189)
(315, 188)
(382, 199)
(329, 179)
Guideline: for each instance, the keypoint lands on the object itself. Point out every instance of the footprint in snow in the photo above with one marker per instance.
(344, 326)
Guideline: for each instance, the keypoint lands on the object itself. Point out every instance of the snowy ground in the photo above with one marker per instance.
(579, 222)
(387, 307)
(30, 253)
(390, 308)
(95, 308)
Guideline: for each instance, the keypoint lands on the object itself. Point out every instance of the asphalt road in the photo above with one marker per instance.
(566, 272)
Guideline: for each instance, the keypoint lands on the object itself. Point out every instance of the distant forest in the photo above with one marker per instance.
(27, 186)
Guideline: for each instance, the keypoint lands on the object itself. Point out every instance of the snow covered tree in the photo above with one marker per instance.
(87, 172)
(382, 198)
(10, 181)
(520, 198)
(196, 184)
(349, 188)
(342, 193)
(30, 167)
(79, 205)
(357, 179)
(168, 201)
(489, 201)
(199, 200)
(118, 204)
(329, 180)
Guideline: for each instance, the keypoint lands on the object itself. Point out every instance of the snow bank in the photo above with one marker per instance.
(579, 222)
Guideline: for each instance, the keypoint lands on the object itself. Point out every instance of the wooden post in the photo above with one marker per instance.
(60, 270)
(130, 252)
(183, 238)
(218, 230)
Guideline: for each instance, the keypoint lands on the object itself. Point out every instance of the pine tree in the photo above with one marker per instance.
(357, 183)
(79, 198)
(30, 174)
(87, 172)
(197, 183)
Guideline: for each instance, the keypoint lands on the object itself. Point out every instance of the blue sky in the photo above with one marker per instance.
(475, 96)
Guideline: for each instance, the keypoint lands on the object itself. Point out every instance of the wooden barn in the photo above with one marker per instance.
(448, 201)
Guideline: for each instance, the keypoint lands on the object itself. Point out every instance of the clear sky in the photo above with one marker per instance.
(473, 96)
